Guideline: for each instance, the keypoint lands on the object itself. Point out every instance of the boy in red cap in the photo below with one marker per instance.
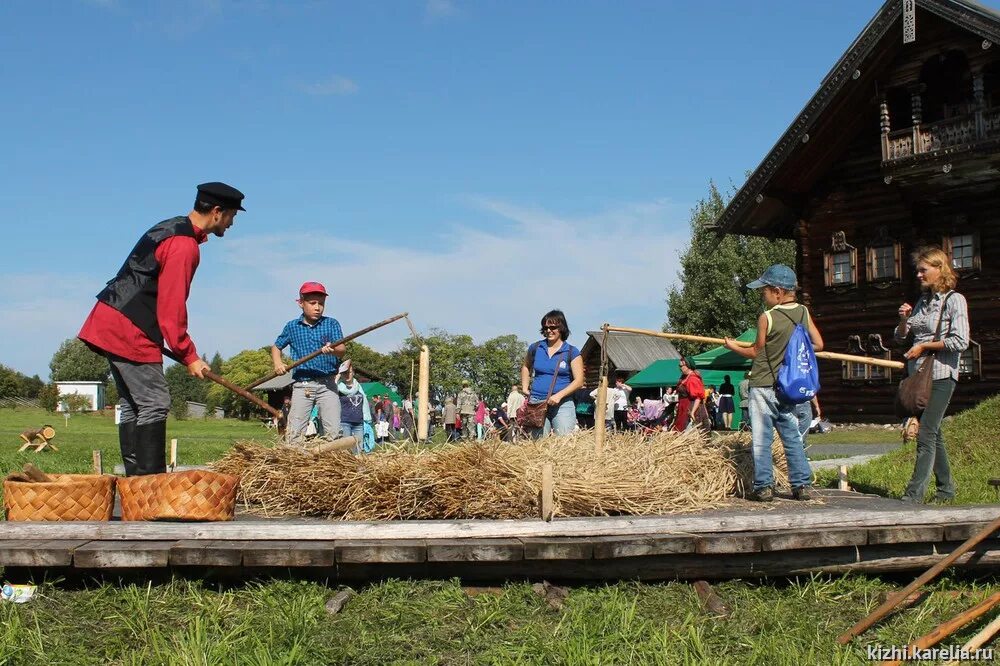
(315, 381)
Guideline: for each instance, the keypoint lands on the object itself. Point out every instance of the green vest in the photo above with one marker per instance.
(765, 367)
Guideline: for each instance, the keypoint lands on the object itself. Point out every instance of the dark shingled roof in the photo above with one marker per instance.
(631, 352)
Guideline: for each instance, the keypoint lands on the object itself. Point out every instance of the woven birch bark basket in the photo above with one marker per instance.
(65, 497)
(196, 495)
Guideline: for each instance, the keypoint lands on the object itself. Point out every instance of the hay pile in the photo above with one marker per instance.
(669, 473)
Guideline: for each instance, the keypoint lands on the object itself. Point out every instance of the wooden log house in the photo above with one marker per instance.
(897, 149)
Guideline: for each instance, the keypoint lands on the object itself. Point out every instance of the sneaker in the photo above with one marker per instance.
(763, 495)
(803, 493)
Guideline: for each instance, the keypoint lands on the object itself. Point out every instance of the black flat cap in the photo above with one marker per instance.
(224, 196)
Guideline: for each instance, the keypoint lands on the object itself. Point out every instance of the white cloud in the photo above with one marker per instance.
(495, 274)
(335, 85)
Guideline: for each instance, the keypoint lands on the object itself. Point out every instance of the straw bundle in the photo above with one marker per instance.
(669, 473)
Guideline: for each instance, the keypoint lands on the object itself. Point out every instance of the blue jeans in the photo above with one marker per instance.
(356, 429)
(766, 414)
(561, 418)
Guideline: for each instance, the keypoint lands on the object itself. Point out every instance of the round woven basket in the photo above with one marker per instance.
(191, 495)
(66, 497)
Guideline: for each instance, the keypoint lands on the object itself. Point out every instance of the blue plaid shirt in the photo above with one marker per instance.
(306, 339)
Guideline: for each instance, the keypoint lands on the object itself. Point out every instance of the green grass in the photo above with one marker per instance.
(198, 440)
(973, 450)
(865, 435)
(282, 622)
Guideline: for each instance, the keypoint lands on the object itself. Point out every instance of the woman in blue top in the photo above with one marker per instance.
(553, 356)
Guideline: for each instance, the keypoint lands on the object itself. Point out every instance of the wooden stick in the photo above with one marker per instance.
(340, 444)
(412, 365)
(925, 577)
(980, 639)
(833, 356)
(173, 455)
(842, 478)
(243, 393)
(711, 601)
(413, 329)
(946, 629)
(98, 465)
(547, 492)
(423, 394)
(343, 340)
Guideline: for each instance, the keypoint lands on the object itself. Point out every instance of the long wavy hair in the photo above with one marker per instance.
(936, 257)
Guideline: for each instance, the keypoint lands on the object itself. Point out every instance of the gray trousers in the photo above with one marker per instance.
(468, 426)
(145, 397)
(931, 454)
(314, 392)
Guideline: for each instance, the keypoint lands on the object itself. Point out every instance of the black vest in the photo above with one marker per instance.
(133, 291)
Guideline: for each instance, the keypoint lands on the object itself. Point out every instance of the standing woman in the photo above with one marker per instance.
(918, 325)
(726, 403)
(552, 357)
(690, 397)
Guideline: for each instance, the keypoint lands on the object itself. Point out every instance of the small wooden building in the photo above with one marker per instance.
(897, 149)
(628, 353)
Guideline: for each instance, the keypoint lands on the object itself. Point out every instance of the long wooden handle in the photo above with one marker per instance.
(980, 639)
(895, 599)
(225, 383)
(833, 356)
(946, 629)
(343, 340)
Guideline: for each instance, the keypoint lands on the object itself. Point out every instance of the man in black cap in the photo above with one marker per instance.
(143, 308)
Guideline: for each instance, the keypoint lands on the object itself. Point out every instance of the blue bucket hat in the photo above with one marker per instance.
(778, 275)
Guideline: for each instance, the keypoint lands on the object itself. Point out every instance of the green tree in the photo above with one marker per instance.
(183, 388)
(75, 362)
(712, 298)
(10, 383)
(48, 397)
(498, 366)
(368, 360)
(242, 369)
(216, 364)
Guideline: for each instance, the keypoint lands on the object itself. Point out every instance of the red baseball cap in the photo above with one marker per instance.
(312, 288)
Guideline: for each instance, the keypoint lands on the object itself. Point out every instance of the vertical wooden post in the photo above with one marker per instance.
(842, 478)
(423, 394)
(173, 455)
(546, 492)
(411, 380)
(98, 465)
(601, 408)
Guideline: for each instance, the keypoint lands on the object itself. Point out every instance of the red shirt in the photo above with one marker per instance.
(108, 329)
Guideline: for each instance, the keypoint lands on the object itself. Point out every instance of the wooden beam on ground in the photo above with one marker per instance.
(38, 552)
(711, 601)
(190, 553)
(369, 551)
(123, 555)
(946, 629)
(557, 548)
(474, 550)
(289, 554)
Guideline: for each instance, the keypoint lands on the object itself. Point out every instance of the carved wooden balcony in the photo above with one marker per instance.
(950, 135)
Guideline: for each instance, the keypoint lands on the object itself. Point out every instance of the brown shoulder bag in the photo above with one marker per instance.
(914, 390)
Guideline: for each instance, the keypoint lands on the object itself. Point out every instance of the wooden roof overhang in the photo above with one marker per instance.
(771, 201)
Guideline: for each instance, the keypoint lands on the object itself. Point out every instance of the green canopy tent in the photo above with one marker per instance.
(721, 358)
(378, 388)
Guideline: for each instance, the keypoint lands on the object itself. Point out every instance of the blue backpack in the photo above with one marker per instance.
(798, 376)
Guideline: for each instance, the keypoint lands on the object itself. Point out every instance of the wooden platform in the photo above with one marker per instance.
(846, 532)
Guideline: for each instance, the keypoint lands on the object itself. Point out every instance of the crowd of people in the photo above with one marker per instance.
(141, 314)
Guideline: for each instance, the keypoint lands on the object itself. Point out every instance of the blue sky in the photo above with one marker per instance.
(475, 163)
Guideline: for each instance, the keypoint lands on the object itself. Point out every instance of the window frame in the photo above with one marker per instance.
(976, 361)
(839, 246)
(870, 263)
(948, 244)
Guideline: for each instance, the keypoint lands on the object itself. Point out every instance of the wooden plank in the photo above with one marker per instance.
(317, 530)
(38, 552)
(204, 553)
(631, 546)
(906, 534)
(546, 492)
(370, 551)
(289, 554)
(826, 538)
(122, 554)
(962, 532)
(557, 548)
(744, 542)
(474, 550)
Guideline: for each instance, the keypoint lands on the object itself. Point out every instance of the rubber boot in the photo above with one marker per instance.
(151, 448)
(126, 440)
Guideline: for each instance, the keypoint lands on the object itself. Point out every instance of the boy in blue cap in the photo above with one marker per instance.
(774, 329)
(315, 380)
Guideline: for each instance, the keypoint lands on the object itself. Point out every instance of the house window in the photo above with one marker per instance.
(970, 362)
(964, 251)
(883, 263)
(840, 263)
(853, 372)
